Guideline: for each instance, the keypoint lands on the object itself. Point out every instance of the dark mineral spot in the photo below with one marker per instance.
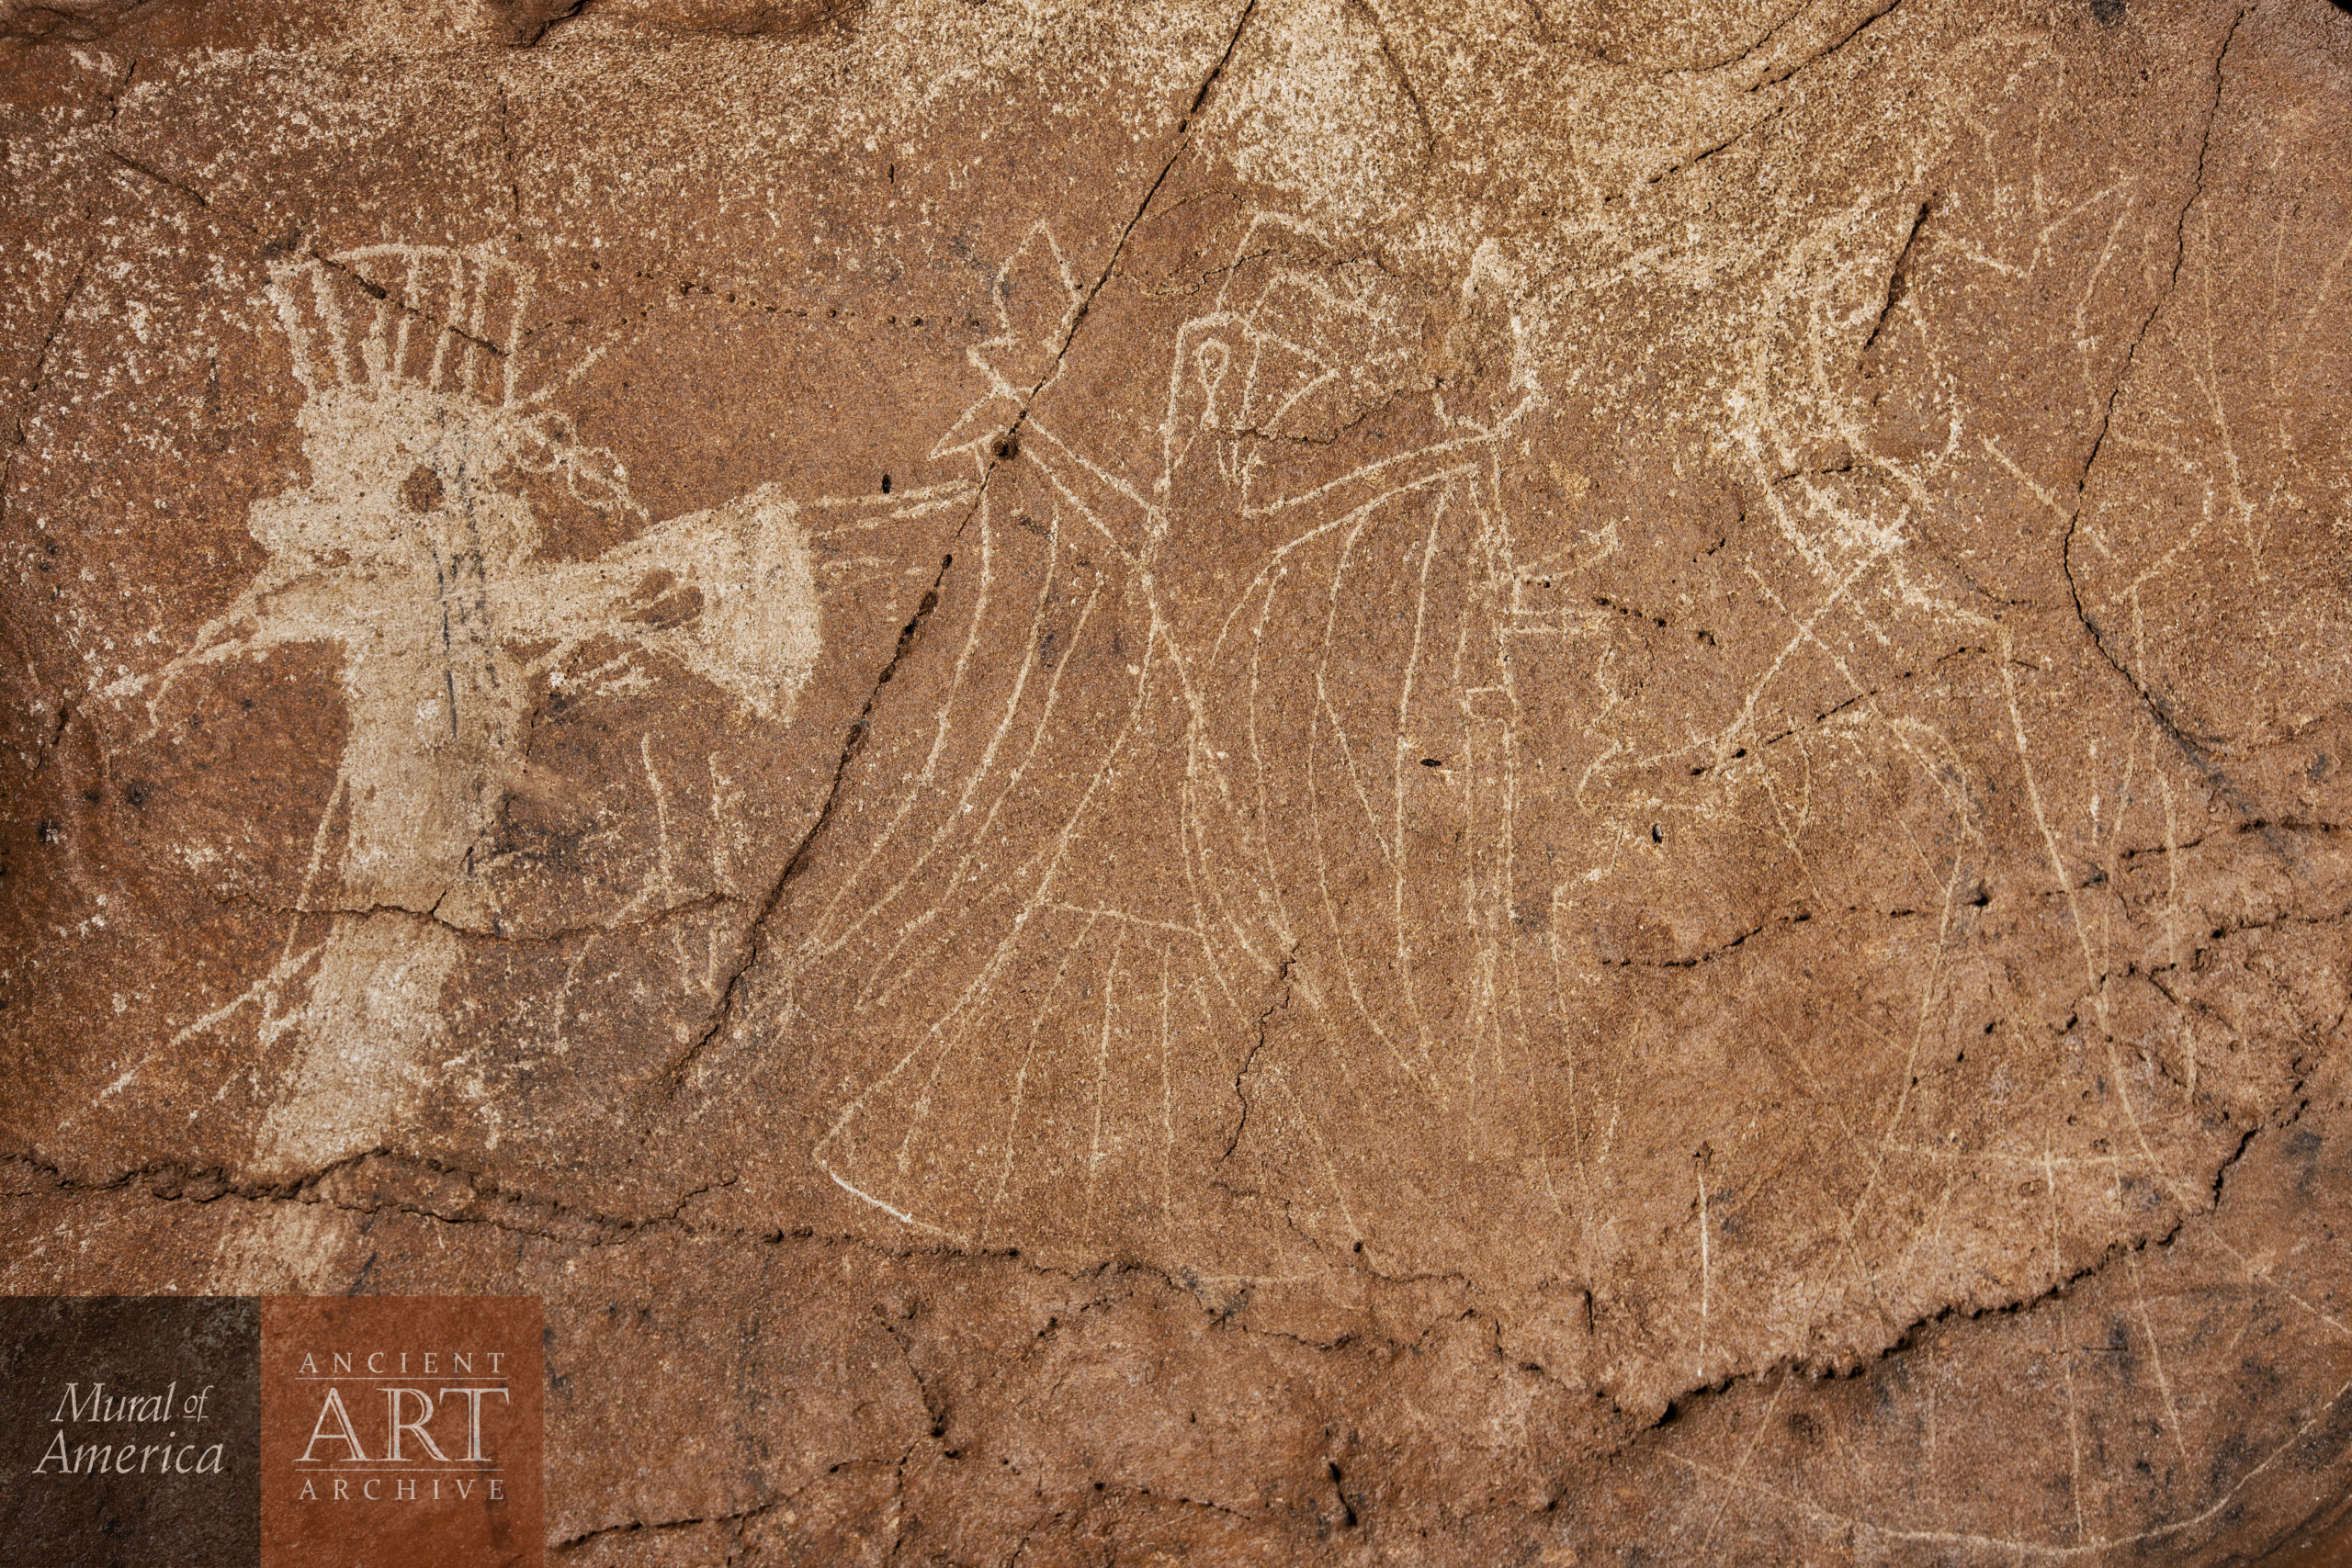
(421, 492)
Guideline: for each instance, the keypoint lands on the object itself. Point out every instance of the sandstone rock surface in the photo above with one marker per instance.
(1300, 780)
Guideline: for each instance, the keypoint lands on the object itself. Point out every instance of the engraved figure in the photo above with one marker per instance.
(412, 550)
(1220, 596)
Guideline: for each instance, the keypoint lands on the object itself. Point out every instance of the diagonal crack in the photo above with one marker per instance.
(998, 452)
(1775, 77)
(1006, 445)
(631, 1527)
(2199, 753)
(1404, 77)
(39, 376)
(1086, 301)
(851, 744)
(377, 289)
(1734, 140)
(1898, 279)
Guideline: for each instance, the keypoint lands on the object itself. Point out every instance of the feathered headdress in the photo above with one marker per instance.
(388, 321)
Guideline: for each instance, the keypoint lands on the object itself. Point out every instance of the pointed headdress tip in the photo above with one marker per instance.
(431, 317)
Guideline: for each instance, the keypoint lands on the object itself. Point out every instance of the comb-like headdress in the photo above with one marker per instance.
(423, 316)
(385, 320)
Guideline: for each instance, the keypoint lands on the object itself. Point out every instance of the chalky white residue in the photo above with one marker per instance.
(411, 551)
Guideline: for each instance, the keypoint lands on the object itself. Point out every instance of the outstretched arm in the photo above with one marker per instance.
(730, 592)
(272, 610)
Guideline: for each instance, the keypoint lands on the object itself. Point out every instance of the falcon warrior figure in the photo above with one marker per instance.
(414, 551)
(1260, 582)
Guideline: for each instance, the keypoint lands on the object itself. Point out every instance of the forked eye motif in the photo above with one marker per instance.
(1210, 361)
(421, 492)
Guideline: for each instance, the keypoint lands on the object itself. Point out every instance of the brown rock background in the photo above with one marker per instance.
(1581, 800)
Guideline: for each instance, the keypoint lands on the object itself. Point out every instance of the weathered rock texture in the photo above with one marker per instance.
(1296, 781)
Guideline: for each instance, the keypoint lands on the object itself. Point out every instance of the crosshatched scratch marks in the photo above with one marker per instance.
(1302, 700)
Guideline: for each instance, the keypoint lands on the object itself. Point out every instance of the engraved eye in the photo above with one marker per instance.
(1209, 362)
(421, 492)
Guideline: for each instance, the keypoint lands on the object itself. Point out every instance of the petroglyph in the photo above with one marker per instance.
(1285, 354)
(1413, 875)
(1285, 781)
(412, 552)
(1370, 738)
